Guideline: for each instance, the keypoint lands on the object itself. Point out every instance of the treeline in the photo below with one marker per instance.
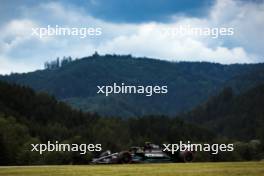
(238, 117)
(235, 116)
(52, 65)
(189, 83)
(27, 117)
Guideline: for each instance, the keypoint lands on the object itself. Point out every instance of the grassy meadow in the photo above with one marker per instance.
(173, 169)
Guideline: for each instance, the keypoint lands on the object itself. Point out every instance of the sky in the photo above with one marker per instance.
(130, 27)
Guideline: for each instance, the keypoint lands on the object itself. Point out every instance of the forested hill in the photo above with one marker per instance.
(236, 116)
(29, 118)
(189, 83)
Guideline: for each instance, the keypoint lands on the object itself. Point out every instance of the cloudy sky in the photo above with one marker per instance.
(130, 27)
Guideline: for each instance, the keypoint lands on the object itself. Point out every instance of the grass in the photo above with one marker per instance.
(173, 169)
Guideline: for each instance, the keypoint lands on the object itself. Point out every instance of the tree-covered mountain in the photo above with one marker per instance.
(189, 83)
(235, 116)
(29, 118)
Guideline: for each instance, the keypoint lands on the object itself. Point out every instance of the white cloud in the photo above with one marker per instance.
(9, 66)
(19, 51)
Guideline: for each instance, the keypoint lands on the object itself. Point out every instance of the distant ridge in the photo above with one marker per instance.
(189, 83)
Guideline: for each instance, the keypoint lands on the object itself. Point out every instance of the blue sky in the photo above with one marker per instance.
(138, 11)
(135, 11)
(130, 27)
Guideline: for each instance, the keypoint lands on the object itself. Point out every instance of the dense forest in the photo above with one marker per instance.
(236, 116)
(206, 103)
(189, 83)
(28, 117)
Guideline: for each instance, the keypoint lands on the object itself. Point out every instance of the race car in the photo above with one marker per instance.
(150, 153)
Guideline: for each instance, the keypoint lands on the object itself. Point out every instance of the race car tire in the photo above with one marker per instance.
(187, 156)
(124, 157)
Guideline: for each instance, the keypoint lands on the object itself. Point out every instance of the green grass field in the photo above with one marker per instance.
(175, 169)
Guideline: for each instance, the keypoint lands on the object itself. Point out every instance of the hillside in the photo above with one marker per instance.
(235, 116)
(28, 118)
(189, 83)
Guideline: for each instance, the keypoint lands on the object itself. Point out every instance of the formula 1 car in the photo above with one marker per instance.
(150, 153)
